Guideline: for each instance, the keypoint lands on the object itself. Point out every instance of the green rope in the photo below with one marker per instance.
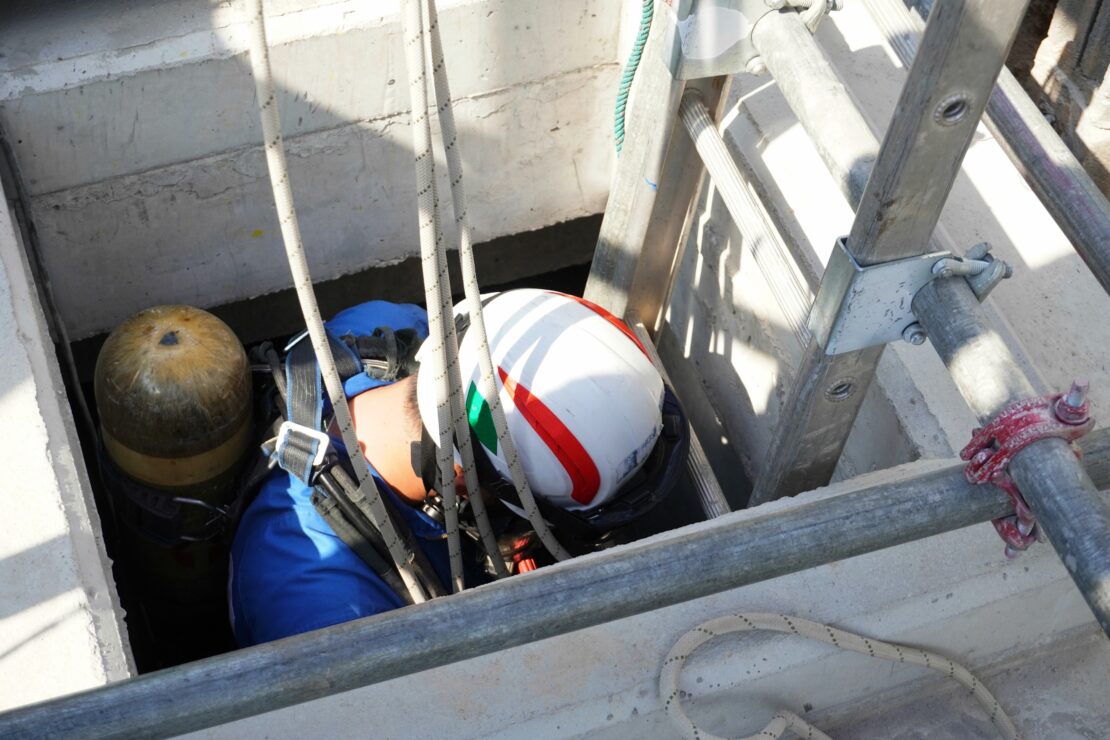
(630, 72)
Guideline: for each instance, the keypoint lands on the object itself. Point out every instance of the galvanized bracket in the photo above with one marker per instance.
(715, 37)
(859, 307)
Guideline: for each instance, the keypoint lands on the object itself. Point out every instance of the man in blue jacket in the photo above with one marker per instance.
(583, 404)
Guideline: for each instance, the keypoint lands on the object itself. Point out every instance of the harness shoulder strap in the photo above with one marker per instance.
(358, 511)
(298, 446)
(330, 510)
(385, 355)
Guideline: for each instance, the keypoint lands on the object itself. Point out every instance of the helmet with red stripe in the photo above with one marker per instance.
(584, 404)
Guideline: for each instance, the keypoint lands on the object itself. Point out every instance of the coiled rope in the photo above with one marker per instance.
(487, 384)
(302, 281)
(755, 621)
(646, 13)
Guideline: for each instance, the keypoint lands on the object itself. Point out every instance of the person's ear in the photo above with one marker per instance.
(460, 481)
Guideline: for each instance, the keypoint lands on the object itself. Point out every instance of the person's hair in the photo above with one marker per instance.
(412, 406)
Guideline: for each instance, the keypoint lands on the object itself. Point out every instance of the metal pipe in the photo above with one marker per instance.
(755, 224)
(747, 547)
(711, 497)
(819, 100)
(1050, 168)
(1067, 504)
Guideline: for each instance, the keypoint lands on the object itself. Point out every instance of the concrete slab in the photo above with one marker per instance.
(61, 628)
(1052, 695)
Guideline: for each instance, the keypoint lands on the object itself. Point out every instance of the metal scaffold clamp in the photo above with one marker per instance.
(860, 306)
(714, 37)
(982, 270)
(1062, 415)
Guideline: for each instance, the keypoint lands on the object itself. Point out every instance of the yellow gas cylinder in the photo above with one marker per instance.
(173, 392)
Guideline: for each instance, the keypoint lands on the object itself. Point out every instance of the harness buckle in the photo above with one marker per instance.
(288, 427)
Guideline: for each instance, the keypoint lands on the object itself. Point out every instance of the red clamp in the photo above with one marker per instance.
(1063, 415)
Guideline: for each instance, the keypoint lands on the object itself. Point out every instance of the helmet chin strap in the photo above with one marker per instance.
(425, 465)
(424, 460)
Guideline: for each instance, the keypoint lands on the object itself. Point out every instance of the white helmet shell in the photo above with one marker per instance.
(581, 397)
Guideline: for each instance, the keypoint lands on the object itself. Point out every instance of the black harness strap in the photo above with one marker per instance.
(568, 525)
(304, 403)
(360, 510)
(330, 509)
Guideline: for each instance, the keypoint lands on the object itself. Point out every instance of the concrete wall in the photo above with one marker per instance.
(134, 128)
(61, 627)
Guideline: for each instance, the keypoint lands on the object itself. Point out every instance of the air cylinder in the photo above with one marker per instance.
(173, 393)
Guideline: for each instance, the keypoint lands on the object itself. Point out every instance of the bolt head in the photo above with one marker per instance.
(914, 334)
(978, 251)
(756, 66)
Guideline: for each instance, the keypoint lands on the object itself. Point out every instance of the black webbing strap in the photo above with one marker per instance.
(384, 354)
(360, 510)
(336, 496)
(330, 509)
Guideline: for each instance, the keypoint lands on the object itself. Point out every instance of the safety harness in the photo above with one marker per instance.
(301, 446)
(165, 519)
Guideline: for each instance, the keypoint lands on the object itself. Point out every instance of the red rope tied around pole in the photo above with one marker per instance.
(1019, 425)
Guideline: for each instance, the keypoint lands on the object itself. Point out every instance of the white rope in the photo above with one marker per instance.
(437, 283)
(754, 621)
(302, 281)
(434, 47)
(487, 385)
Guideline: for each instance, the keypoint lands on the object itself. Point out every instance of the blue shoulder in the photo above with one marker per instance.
(291, 574)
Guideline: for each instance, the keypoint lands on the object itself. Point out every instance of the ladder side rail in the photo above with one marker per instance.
(654, 192)
(672, 214)
(964, 47)
(651, 117)
(1051, 169)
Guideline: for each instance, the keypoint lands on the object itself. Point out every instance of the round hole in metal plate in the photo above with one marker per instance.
(841, 389)
(952, 109)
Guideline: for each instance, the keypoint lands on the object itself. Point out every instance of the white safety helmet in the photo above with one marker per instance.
(582, 400)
